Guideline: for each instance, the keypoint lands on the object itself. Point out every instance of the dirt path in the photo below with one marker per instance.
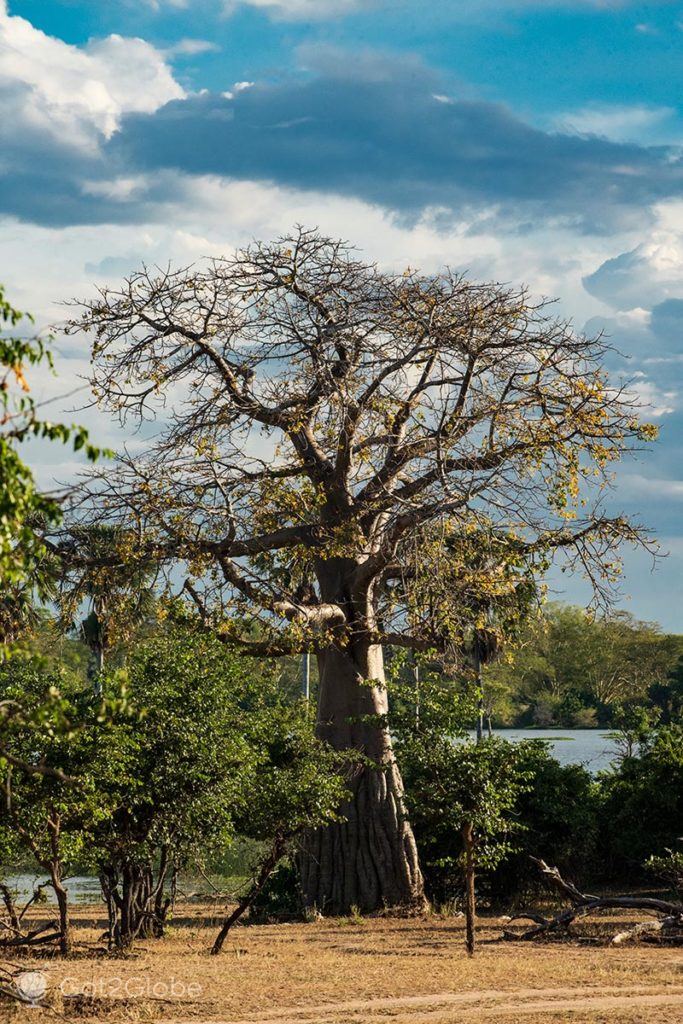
(470, 1005)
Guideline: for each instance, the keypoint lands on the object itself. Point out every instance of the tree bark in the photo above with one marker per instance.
(369, 860)
(136, 902)
(64, 922)
(11, 908)
(470, 898)
(56, 870)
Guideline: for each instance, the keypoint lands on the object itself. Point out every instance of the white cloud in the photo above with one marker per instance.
(636, 483)
(653, 400)
(190, 48)
(229, 94)
(457, 10)
(641, 277)
(77, 94)
(209, 216)
(620, 123)
(296, 10)
(158, 5)
(121, 189)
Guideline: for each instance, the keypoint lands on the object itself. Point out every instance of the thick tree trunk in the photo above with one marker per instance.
(369, 861)
(137, 904)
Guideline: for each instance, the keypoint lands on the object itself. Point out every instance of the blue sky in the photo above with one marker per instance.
(522, 140)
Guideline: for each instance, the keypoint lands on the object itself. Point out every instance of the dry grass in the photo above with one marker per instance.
(341, 971)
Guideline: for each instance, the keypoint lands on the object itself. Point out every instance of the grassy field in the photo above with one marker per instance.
(354, 970)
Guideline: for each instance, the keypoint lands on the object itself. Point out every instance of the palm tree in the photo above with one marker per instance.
(106, 595)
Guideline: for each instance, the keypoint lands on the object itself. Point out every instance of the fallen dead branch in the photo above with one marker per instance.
(13, 932)
(582, 904)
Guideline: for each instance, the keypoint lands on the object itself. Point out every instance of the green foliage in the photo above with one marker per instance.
(449, 783)
(667, 695)
(220, 749)
(558, 815)
(424, 701)
(642, 803)
(50, 736)
(23, 508)
(469, 591)
(573, 670)
(203, 745)
(176, 772)
(281, 897)
(668, 868)
(633, 724)
(520, 799)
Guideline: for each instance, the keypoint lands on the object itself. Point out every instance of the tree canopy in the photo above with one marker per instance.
(320, 408)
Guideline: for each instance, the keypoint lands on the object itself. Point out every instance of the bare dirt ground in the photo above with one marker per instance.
(349, 971)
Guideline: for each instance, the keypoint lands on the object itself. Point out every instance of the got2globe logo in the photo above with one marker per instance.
(31, 986)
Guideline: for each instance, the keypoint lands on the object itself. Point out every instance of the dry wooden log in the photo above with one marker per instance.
(586, 903)
(32, 939)
(645, 927)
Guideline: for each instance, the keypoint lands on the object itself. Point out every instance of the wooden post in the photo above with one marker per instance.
(470, 904)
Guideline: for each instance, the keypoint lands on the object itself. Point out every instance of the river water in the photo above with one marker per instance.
(592, 748)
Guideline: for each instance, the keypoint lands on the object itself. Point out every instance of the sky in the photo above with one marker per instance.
(534, 141)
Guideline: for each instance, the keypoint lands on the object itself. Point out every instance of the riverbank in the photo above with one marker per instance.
(353, 971)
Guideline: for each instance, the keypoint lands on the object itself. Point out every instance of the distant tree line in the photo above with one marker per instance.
(575, 670)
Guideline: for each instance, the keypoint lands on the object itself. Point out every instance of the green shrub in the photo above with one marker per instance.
(449, 783)
(558, 816)
(642, 804)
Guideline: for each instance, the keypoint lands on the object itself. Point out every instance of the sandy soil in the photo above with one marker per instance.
(349, 971)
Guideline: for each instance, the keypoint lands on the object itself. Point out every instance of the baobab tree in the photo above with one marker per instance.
(331, 443)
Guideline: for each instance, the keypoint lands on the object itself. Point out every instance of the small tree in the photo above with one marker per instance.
(337, 432)
(296, 784)
(50, 803)
(174, 775)
(220, 750)
(462, 797)
(634, 725)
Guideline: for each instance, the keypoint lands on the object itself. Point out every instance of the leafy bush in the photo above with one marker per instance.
(450, 783)
(642, 804)
(558, 818)
(668, 869)
(53, 799)
(281, 897)
(205, 746)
